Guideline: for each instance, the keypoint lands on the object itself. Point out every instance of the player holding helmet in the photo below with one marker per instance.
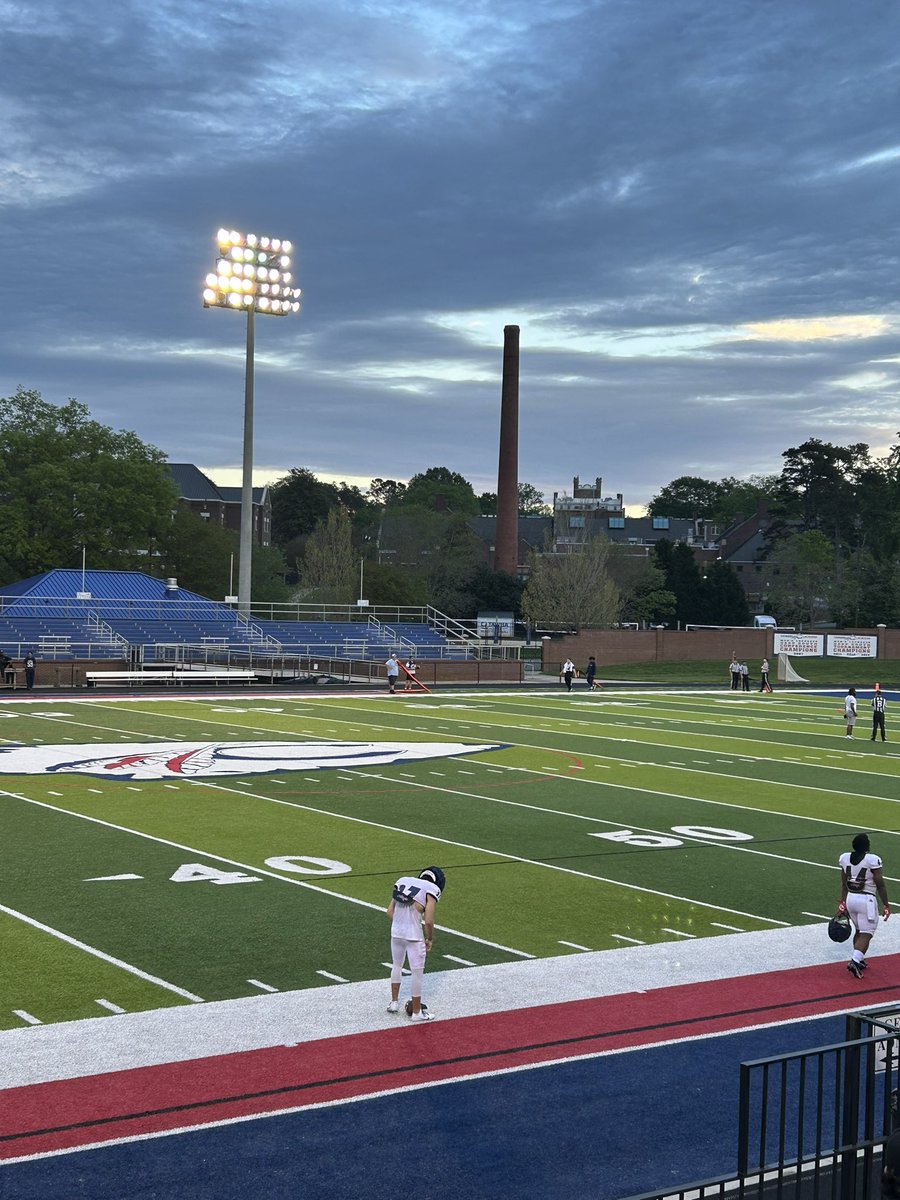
(861, 878)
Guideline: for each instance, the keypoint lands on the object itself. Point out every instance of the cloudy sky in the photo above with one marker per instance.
(690, 208)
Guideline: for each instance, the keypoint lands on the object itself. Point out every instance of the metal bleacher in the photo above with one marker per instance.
(68, 614)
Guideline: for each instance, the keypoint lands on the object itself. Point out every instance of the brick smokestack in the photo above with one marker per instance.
(506, 541)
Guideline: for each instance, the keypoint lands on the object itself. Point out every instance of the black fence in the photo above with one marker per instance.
(811, 1124)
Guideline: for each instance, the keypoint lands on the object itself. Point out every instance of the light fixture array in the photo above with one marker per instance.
(252, 272)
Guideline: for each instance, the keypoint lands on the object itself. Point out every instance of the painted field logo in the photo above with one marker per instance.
(192, 760)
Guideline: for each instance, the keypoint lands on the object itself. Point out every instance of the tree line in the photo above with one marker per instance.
(68, 482)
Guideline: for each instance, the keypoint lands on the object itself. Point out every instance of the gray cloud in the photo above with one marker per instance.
(655, 192)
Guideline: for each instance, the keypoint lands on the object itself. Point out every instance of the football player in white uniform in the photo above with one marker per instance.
(411, 911)
(861, 878)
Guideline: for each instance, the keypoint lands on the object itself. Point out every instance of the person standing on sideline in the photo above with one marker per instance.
(411, 912)
(30, 665)
(745, 678)
(878, 706)
(764, 685)
(392, 666)
(590, 674)
(567, 673)
(735, 669)
(850, 710)
(860, 879)
(410, 679)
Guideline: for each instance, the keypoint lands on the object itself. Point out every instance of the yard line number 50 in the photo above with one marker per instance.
(658, 841)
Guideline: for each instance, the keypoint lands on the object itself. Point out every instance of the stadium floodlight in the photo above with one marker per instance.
(253, 275)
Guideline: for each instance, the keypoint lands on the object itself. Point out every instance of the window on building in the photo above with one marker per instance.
(660, 522)
(616, 522)
(576, 522)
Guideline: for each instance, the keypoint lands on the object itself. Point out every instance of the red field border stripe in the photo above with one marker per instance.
(76, 1112)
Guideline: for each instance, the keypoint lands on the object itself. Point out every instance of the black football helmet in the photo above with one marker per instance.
(434, 875)
(839, 928)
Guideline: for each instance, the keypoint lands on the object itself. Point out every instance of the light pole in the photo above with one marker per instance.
(253, 274)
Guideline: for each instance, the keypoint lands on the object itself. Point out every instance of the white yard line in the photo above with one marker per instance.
(27, 1017)
(263, 987)
(108, 1004)
(101, 954)
(262, 870)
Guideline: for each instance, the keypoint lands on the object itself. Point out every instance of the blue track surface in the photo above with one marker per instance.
(603, 1129)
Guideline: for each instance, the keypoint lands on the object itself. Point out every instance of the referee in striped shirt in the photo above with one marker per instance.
(878, 707)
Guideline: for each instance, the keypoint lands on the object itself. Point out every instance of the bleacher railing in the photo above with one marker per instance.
(811, 1123)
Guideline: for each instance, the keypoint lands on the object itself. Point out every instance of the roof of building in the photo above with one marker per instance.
(194, 484)
(64, 583)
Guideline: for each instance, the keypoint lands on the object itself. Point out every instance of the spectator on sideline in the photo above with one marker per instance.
(764, 685)
(745, 678)
(567, 673)
(392, 666)
(590, 674)
(735, 669)
(4, 665)
(850, 710)
(879, 704)
(29, 669)
(860, 879)
(411, 913)
(410, 679)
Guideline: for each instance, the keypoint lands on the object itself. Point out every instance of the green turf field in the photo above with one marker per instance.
(600, 820)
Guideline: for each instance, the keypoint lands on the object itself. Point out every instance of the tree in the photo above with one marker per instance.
(68, 482)
(440, 484)
(531, 502)
(386, 491)
(196, 553)
(299, 502)
(683, 579)
(818, 486)
(723, 599)
(740, 497)
(452, 569)
(642, 588)
(328, 567)
(495, 591)
(802, 567)
(267, 576)
(571, 591)
(687, 496)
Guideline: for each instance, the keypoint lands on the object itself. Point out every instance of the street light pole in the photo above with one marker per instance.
(245, 559)
(252, 273)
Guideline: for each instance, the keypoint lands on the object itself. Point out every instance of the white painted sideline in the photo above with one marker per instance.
(78, 1048)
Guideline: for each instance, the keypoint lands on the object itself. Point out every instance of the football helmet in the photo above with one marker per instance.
(434, 875)
(839, 928)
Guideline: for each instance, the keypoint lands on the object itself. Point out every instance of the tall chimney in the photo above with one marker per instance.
(506, 541)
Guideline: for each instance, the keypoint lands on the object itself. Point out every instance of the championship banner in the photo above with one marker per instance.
(852, 645)
(799, 645)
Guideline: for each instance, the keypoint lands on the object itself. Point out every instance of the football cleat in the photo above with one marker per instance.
(855, 968)
(394, 1006)
(424, 1015)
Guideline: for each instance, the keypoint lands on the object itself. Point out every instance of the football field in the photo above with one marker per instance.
(164, 851)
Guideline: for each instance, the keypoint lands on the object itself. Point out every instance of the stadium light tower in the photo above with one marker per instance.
(253, 275)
